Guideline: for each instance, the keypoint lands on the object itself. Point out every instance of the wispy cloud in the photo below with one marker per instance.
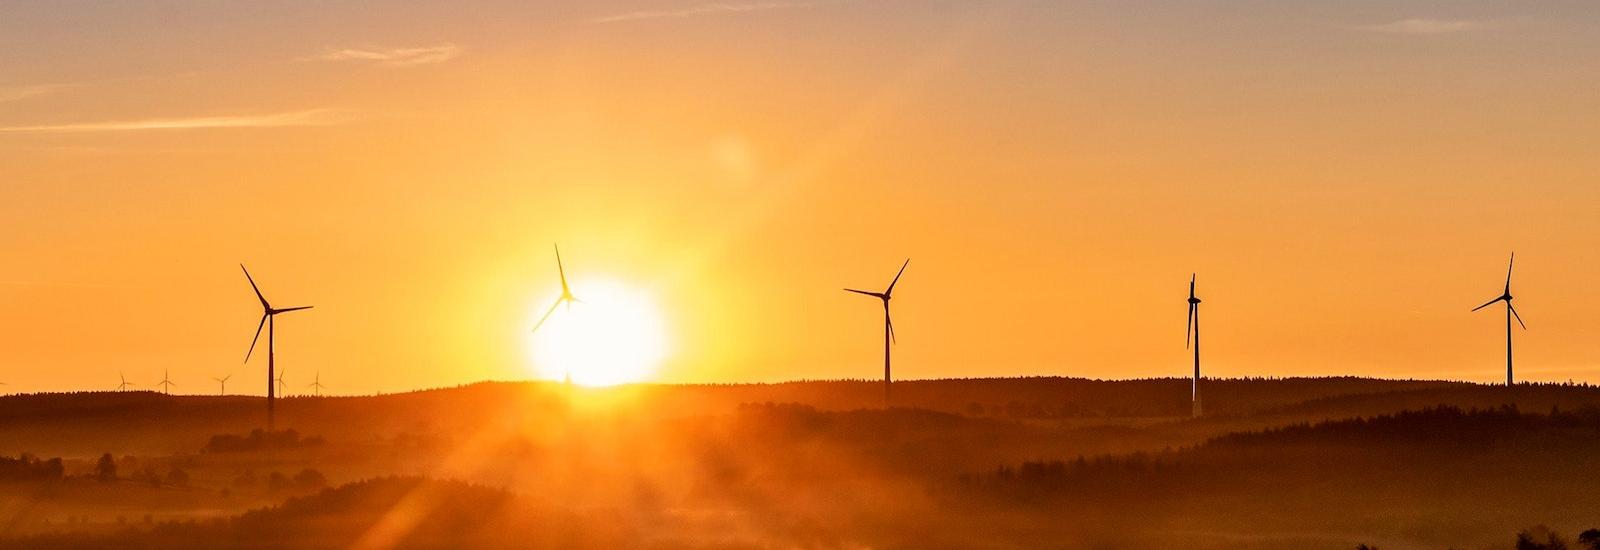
(703, 9)
(35, 283)
(395, 57)
(14, 93)
(1427, 26)
(312, 117)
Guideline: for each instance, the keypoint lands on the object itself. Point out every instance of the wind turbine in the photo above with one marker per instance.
(223, 383)
(1193, 329)
(1511, 311)
(268, 317)
(888, 325)
(316, 384)
(166, 383)
(124, 385)
(282, 386)
(566, 298)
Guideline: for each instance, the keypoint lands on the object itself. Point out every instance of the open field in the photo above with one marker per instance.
(1308, 463)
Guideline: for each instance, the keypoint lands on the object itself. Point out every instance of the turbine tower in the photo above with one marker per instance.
(124, 385)
(888, 325)
(566, 298)
(268, 320)
(316, 385)
(1193, 330)
(223, 384)
(165, 383)
(1511, 311)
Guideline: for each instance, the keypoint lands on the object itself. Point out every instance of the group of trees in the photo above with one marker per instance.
(260, 440)
(1542, 538)
(27, 467)
(105, 471)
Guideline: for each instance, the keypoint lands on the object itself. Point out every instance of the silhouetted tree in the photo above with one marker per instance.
(1540, 538)
(1590, 539)
(106, 469)
(178, 478)
(149, 475)
(277, 481)
(310, 479)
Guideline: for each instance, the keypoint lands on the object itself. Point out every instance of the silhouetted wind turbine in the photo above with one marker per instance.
(282, 386)
(166, 383)
(268, 316)
(223, 384)
(124, 385)
(888, 325)
(566, 298)
(1511, 311)
(316, 384)
(1193, 329)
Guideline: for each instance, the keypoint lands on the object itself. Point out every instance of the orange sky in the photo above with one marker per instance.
(1347, 179)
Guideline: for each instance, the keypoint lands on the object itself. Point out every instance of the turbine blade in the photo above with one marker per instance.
(253, 341)
(1509, 265)
(1488, 303)
(1191, 285)
(253, 286)
(293, 309)
(902, 271)
(1514, 314)
(546, 317)
(889, 322)
(872, 294)
(562, 270)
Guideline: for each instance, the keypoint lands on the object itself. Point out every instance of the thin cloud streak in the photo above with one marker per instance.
(27, 283)
(16, 93)
(703, 9)
(1427, 26)
(312, 117)
(395, 57)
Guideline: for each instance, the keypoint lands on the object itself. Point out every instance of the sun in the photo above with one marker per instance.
(613, 335)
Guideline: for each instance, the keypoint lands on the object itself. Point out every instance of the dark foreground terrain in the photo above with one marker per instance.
(987, 463)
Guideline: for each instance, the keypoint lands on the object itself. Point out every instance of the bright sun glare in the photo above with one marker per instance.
(613, 335)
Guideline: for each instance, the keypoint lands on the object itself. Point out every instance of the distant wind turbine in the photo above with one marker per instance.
(282, 386)
(268, 317)
(1193, 329)
(888, 325)
(223, 384)
(566, 298)
(316, 385)
(124, 385)
(1511, 311)
(166, 383)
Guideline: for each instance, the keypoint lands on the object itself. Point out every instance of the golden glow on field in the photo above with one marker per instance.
(613, 335)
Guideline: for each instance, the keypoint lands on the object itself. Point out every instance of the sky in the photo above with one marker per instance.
(1346, 178)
